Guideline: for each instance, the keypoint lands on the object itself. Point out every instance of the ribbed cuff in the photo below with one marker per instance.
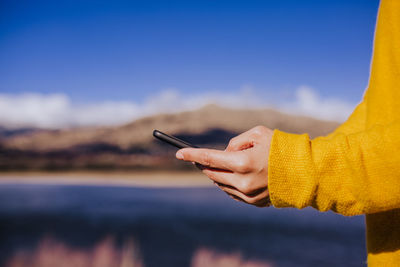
(291, 172)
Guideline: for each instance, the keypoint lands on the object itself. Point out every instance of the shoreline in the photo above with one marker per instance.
(139, 178)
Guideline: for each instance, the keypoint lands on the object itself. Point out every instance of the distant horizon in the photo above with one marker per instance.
(57, 112)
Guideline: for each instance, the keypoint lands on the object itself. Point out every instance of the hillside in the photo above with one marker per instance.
(132, 146)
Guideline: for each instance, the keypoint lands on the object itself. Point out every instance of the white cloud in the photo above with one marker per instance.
(308, 102)
(57, 110)
(33, 110)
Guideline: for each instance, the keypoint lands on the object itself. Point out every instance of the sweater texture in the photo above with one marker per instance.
(356, 169)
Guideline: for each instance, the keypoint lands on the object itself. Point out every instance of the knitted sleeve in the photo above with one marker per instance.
(349, 174)
(356, 169)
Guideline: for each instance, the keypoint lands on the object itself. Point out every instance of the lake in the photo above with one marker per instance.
(78, 225)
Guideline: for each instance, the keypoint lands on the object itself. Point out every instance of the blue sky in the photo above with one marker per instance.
(97, 51)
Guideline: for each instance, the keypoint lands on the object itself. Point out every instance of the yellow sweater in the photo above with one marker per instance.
(356, 169)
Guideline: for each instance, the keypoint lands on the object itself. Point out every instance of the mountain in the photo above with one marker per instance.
(132, 146)
(7, 132)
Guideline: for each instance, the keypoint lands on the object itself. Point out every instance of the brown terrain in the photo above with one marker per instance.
(132, 146)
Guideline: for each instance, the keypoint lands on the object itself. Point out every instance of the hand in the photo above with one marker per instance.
(241, 170)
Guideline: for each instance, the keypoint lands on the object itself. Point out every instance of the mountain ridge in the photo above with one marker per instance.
(132, 145)
(188, 122)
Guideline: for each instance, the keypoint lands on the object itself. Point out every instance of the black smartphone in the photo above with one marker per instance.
(172, 140)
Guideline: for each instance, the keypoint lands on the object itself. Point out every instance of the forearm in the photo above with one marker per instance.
(350, 174)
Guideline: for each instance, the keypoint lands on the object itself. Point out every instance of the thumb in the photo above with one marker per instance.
(241, 142)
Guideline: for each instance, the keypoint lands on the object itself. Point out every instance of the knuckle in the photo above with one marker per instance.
(252, 201)
(231, 143)
(245, 186)
(206, 158)
(259, 130)
(243, 165)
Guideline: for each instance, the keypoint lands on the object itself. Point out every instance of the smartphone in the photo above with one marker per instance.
(172, 140)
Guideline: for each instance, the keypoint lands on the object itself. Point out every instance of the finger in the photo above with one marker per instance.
(234, 180)
(247, 139)
(236, 198)
(262, 203)
(259, 199)
(234, 161)
(221, 176)
(262, 192)
(240, 142)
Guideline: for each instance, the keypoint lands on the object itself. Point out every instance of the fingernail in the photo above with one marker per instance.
(179, 155)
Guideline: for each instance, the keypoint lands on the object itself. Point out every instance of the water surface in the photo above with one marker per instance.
(170, 225)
